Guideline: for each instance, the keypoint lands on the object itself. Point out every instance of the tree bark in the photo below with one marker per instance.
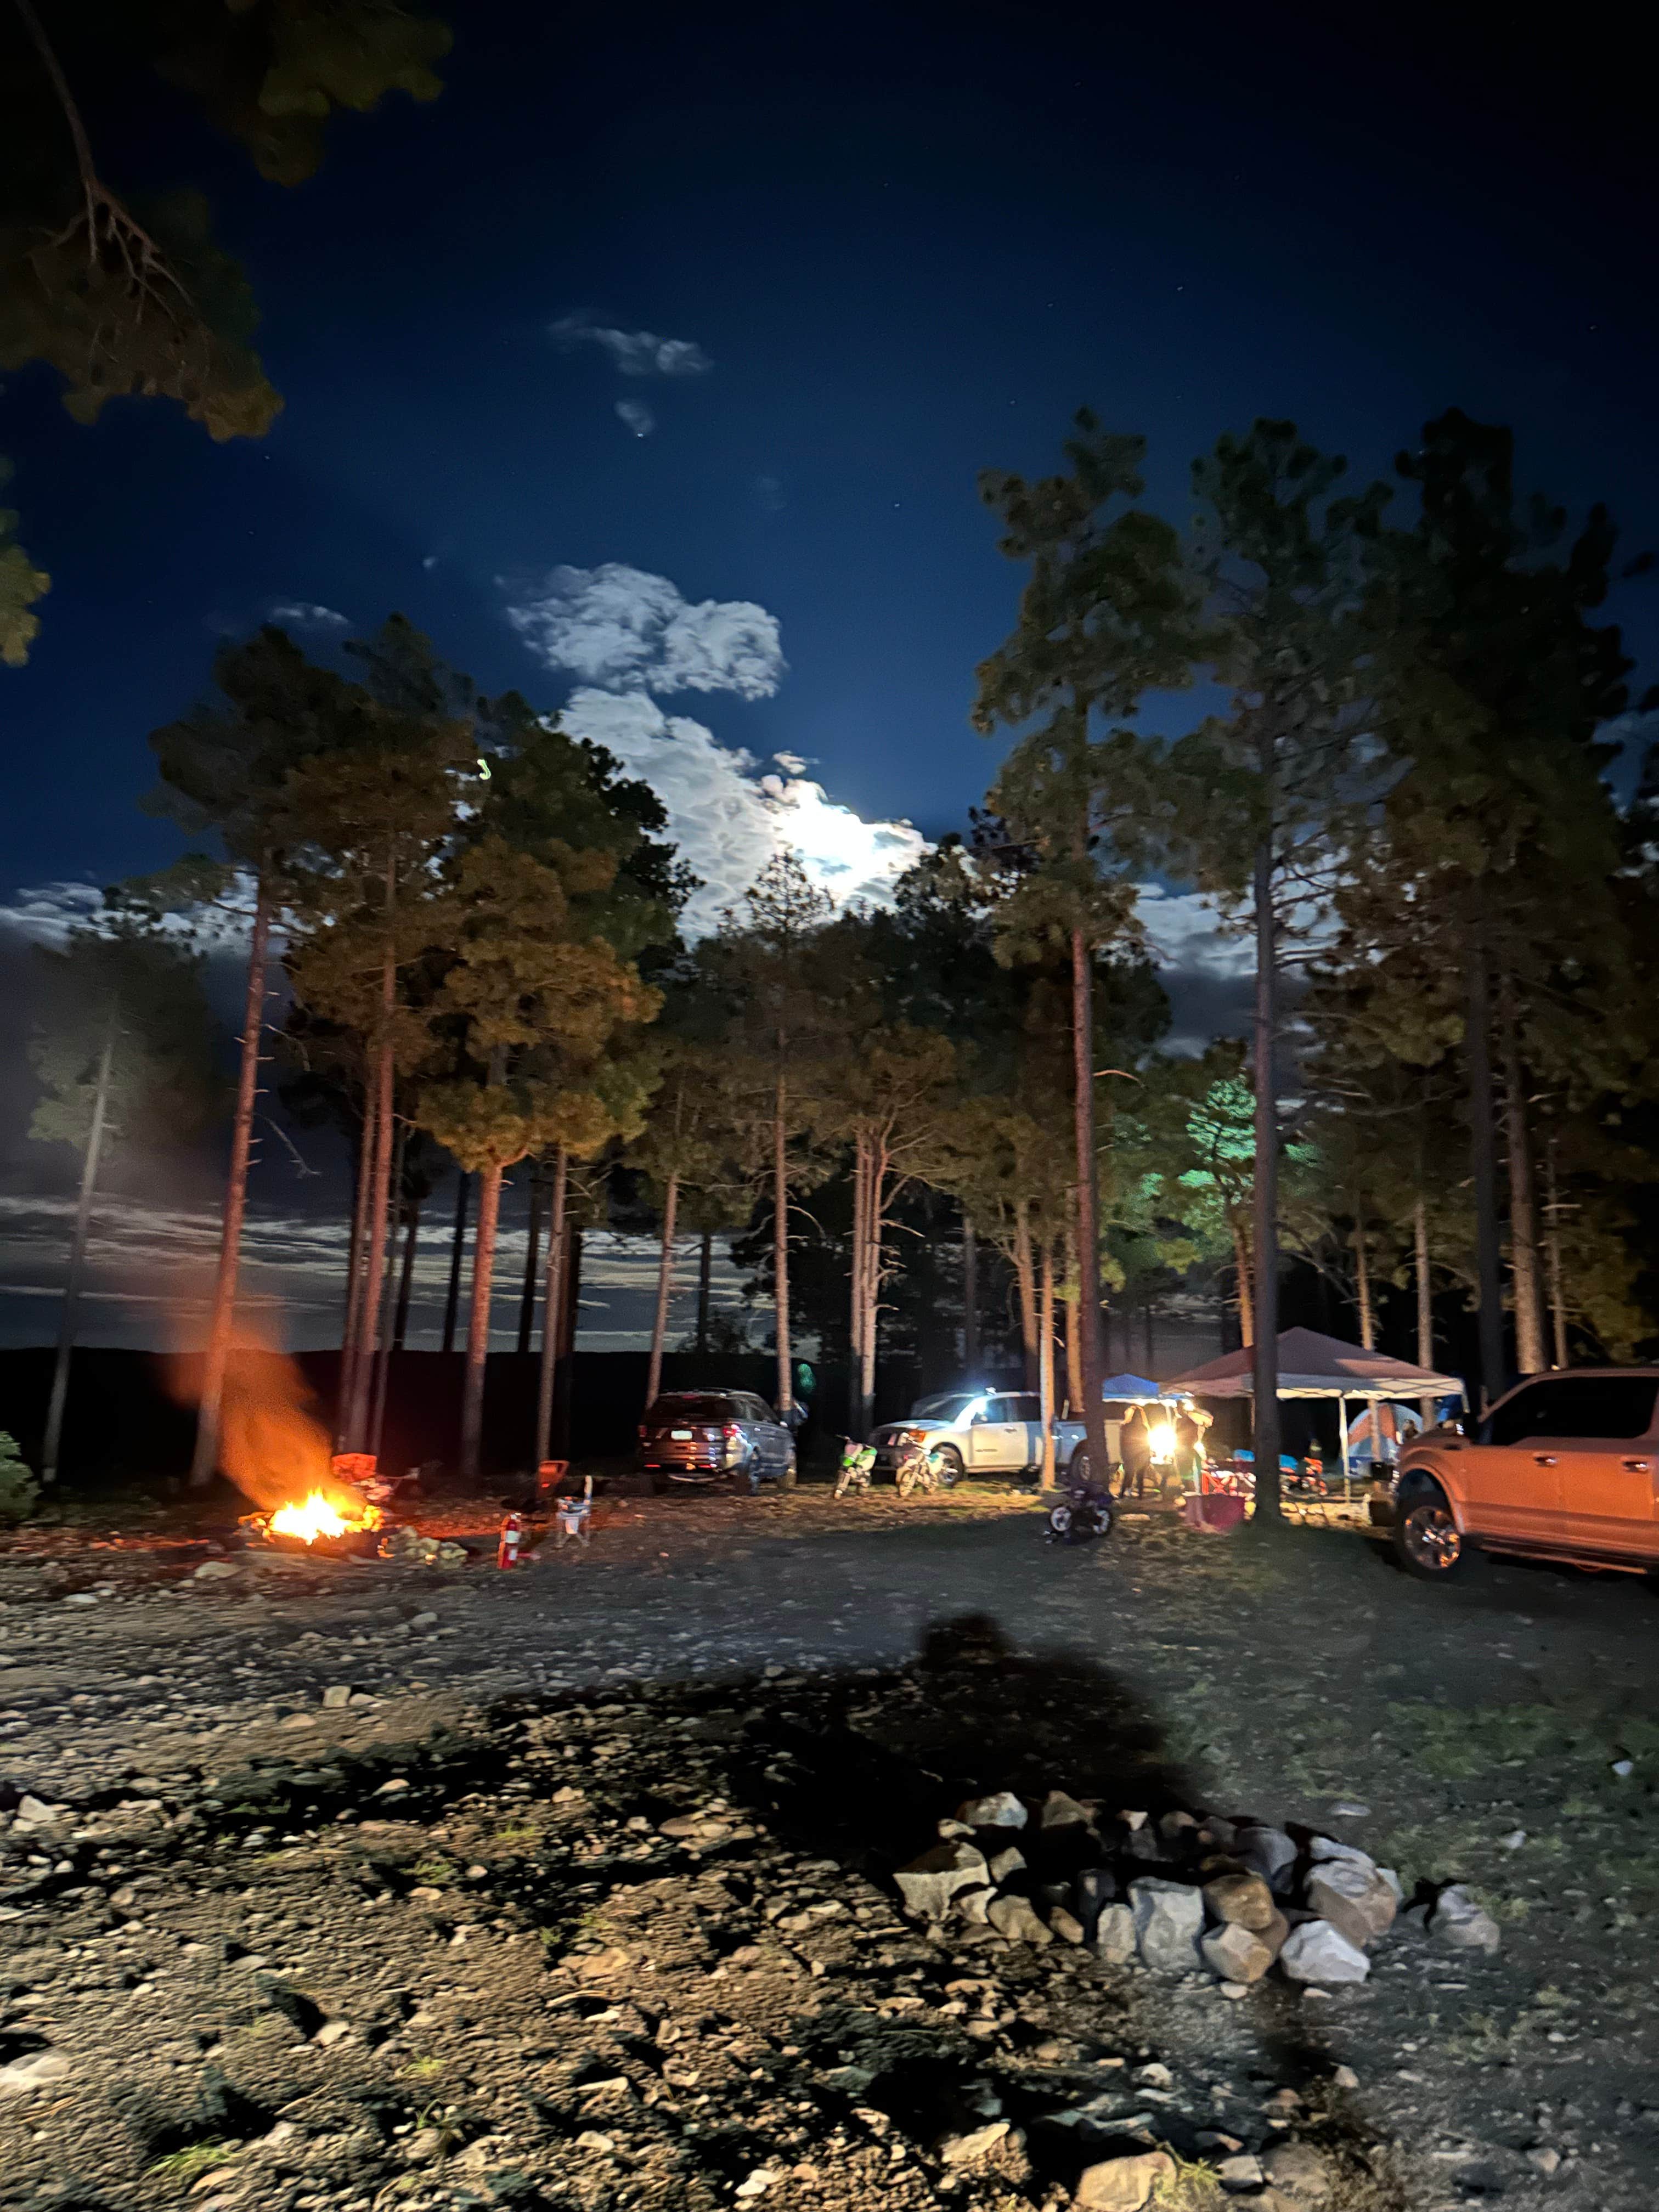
(1245, 1296)
(1553, 1215)
(478, 1329)
(532, 1256)
(1265, 1440)
(351, 1334)
(552, 1305)
(1026, 1283)
(1073, 1354)
(970, 1300)
(1088, 1224)
(876, 1169)
(1425, 1300)
(457, 1251)
(670, 1207)
(222, 1315)
(855, 1318)
(1525, 1271)
(51, 1447)
(781, 1240)
(705, 1278)
(1046, 1371)
(406, 1275)
(1483, 1161)
(388, 1297)
(380, 1190)
(1361, 1279)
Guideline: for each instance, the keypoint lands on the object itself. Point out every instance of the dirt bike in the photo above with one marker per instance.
(1082, 1514)
(921, 1469)
(857, 1462)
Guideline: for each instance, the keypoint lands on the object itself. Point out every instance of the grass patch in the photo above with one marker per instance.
(1193, 2187)
(195, 2158)
(1456, 1743)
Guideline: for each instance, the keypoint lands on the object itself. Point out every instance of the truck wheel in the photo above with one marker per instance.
(1426, 1538)
(786, 1480)
(949, 1460)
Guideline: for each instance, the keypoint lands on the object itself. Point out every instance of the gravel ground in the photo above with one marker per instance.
(434, 1945)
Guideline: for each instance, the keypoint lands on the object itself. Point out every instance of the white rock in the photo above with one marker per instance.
(1124, 2185)
(215, 1570)
(1267, 1851)
(1000, 1810)
(763, 2179)
(1115, 1934)
(1355, 1900)
(1006, 1862)
(1325, 1850)
(1513, 1841)
(1458, 1919)
(1315, 1952)
(928, 1884)
(331, 2032)
(34, 1813)
(1624, 1768)
(1168, 1919)
(336, 1696)
(967, 2149)
(1242, 2171)
(35, 2069)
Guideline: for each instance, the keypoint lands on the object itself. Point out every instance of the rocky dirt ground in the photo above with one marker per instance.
(362, 1886)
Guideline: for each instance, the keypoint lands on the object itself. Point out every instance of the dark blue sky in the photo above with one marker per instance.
(911, 243)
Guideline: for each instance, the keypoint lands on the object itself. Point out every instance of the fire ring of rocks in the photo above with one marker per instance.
(1186, 1893)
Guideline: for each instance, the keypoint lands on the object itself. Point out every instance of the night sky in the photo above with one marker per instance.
(876, 250)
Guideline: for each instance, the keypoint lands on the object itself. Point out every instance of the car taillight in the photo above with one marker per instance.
(644, 1432)
(731, 1432)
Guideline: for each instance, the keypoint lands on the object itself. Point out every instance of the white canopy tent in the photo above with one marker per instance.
(1315, 1366)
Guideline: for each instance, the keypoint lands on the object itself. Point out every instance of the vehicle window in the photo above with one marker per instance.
(694, 1407)
(1020, 1409)
(945, 1408)
(1616, 1406)
(761, 1410)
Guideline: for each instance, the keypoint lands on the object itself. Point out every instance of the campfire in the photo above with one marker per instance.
(320, 1516)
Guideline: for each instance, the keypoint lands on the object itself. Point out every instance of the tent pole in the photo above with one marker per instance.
(1342, 1423)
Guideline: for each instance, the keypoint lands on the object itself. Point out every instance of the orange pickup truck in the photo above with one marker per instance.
(1564, 1466)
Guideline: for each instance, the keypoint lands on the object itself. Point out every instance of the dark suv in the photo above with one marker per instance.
(709, 1436)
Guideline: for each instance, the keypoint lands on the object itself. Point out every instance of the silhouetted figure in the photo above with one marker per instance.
(1134, 1450)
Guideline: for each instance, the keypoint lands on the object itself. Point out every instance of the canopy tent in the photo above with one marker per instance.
(1133, 1389)
(1315, 1366)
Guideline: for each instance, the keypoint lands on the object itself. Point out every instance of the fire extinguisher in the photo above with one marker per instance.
(513, 1529)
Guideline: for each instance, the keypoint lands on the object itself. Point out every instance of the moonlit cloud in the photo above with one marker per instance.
(729, 816)
(302, 614)
(46, 913)
(635, 353)
(619, 625)
(637, 415)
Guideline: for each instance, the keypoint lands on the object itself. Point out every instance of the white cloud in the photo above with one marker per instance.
(635, 353)
(617, 624)
(1186, 930)
(728, 821)
(637, 415)
(301, 614)
(46, 913)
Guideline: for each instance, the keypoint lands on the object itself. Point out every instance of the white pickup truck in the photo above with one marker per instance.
(982, 1432)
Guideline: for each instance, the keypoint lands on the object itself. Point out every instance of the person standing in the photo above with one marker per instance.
(1134, 1448)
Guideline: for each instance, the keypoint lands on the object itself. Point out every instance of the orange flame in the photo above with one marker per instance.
(317, 1517)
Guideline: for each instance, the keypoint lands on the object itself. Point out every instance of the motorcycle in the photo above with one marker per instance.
(1082, 1514)
(857, 1463)
(921, 1469)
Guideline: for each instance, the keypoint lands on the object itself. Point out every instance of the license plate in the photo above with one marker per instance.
(680, 1436)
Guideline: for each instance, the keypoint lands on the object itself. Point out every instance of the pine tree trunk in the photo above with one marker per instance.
(1088, 1225)
(388, 1297)
(477, 1330)
(1265, 1242)
(351, 1334)
(457, 1253)
(1362, 1274)
(969, 1299)
(1525, 1272)
(52, 1446)
(1045, 1370)
(406, 1276)
(1552, 1214)
(552, 1305)
(531, 1258)
(705, 1282)
(1483, 1160)
(1073, 1355)
(222, 1315)
(379, 1197)
(1425, 1300)
(1245, 1296)
(1149, 1316)
(670, 1207)
(781, 1242)
(1026, 1282)
(855, 1316)
(874, 1223)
